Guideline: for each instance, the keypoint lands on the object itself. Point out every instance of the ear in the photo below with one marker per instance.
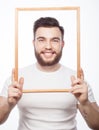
(33, 41)
(63, 43)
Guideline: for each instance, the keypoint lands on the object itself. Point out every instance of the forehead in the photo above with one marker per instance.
(48, 32)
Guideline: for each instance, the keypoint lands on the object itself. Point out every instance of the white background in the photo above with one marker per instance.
(89, 44)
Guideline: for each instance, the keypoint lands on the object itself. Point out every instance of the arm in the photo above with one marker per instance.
(5, 109)
(8, 103)
(89, 111)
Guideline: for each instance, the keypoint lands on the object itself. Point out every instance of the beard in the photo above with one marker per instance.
(42, 62)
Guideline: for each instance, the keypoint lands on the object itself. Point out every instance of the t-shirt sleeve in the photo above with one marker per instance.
(4, 91)
(90, 94)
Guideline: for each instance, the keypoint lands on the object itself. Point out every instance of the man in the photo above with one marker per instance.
(48, 111)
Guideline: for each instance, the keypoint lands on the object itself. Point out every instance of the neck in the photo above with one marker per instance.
(51, 68)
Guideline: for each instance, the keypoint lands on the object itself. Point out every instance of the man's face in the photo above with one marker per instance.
(48, 45)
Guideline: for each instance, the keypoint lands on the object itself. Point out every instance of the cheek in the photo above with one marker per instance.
(57, 48)
(38, 48)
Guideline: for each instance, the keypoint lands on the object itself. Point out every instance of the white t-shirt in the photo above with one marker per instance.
(47, 111)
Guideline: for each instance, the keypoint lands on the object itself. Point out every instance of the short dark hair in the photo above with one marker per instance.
(47, 22)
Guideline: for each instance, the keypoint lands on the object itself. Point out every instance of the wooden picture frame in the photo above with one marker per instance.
(42, 9)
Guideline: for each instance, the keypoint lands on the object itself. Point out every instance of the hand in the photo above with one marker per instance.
(15, 90)
(80, 88)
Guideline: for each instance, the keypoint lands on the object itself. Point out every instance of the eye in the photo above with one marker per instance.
(40, 40)
(55, 40)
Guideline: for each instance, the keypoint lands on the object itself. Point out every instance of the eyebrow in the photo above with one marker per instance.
(56, 38)
(41, 37)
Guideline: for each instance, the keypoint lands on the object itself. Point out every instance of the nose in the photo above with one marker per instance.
(48, 45)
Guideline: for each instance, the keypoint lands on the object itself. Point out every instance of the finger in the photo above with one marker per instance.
(81, 74)
(76, 81)
(21, 82)
(13, 91)
(18, 85)
(76, 90)
(72, 80)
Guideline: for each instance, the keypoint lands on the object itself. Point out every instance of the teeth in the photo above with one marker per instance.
(47, 54)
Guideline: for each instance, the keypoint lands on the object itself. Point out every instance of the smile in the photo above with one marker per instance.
(48, 54)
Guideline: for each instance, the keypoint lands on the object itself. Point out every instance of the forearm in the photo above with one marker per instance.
(90, 112)
(5, 109)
